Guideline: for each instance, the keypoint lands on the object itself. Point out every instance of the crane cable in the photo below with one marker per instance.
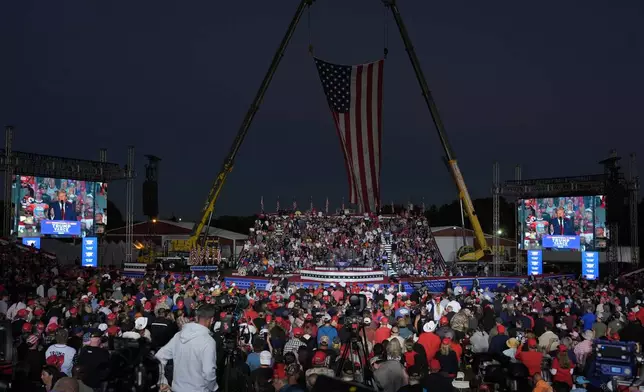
(385, 32)
(308, 15)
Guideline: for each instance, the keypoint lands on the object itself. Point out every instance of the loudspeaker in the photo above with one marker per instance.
(328, 384)
(6, 342)
(616, 204)
(151, 199)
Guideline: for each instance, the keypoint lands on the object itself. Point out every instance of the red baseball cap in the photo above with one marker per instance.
(319, 358)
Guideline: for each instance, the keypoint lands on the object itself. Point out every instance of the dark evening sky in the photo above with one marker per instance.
(550, 85)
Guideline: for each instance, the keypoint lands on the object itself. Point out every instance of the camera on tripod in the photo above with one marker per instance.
(132, 366)
(229, 328)
(354, 315)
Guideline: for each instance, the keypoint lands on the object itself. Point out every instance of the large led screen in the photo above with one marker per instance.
(58, 207)
(562, 223)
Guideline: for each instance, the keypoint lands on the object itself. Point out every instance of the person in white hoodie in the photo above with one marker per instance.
(195, 355)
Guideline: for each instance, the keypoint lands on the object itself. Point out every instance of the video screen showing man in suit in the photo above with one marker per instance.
(62, 209)
(39, 199)
(583, 216)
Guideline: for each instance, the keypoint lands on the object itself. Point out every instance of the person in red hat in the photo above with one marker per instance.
(498, 343)
(531, 358)
(293, 344)
(384, 331)
(447, 358)
(19, 321)
(562, 366)
(320, 366)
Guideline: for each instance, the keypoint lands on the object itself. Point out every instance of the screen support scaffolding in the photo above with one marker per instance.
(496, 219)
(21, 163)
(8, 168)
(594, 184)
(129, 205)
(519, 263)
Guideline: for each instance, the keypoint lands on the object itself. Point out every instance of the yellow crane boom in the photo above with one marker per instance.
(479, 236)
(209, 207)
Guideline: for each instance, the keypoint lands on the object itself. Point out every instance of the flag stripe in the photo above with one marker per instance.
(375, 118)
(357, 132)
(379, 98)
(347, 164)
(370, 135)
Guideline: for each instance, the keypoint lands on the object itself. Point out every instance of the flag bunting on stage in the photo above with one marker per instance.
(354, 95)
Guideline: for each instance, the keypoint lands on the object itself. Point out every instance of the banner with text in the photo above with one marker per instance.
(59, 227)
(89, 256)
(590, 265)
(31, 241)
(561, 241)
(535, 262)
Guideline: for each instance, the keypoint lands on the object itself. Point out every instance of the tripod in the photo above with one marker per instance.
(230, 366)
(357, 345)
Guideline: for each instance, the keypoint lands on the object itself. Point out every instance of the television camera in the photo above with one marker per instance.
(354, 314)
(229, 329)
(133, 366)
(617, 362)
(355, 346)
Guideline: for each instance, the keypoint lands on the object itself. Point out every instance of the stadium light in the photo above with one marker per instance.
(154, 220)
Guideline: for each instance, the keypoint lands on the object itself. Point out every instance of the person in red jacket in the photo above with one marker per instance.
(532, 358)
(429, 340)
(384, 332)
(562, 366)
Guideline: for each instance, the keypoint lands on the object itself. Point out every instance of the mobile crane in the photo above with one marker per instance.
(199, 238)
(465, 253)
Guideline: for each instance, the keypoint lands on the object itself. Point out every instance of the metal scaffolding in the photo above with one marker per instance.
(496, 219)
(519, 235)
(129, 205)
(633, 205)
(9, 172)
(15, 163)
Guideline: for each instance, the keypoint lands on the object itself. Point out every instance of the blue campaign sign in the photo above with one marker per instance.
(590, 265)
(89, 257)
(58, 227)
(31, 241)
(561, 241)
(535, 262)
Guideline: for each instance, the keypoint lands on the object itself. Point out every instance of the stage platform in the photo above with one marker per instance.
(326, 276)
(434, 284)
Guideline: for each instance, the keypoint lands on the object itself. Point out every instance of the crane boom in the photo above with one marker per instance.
(227, 166)
(440, 128)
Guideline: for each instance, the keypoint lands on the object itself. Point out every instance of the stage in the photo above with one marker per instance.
(434, 284)
(361, 276)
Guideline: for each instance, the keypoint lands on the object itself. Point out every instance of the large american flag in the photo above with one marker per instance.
(354, 94)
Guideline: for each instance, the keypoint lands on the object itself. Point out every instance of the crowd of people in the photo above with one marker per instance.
(286, 243)
(68, 324)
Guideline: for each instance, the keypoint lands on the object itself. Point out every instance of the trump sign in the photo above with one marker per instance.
(89, 255)
(54, 227)
(535, 262)
(561, 241)
(590, 265)
(31, 241)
